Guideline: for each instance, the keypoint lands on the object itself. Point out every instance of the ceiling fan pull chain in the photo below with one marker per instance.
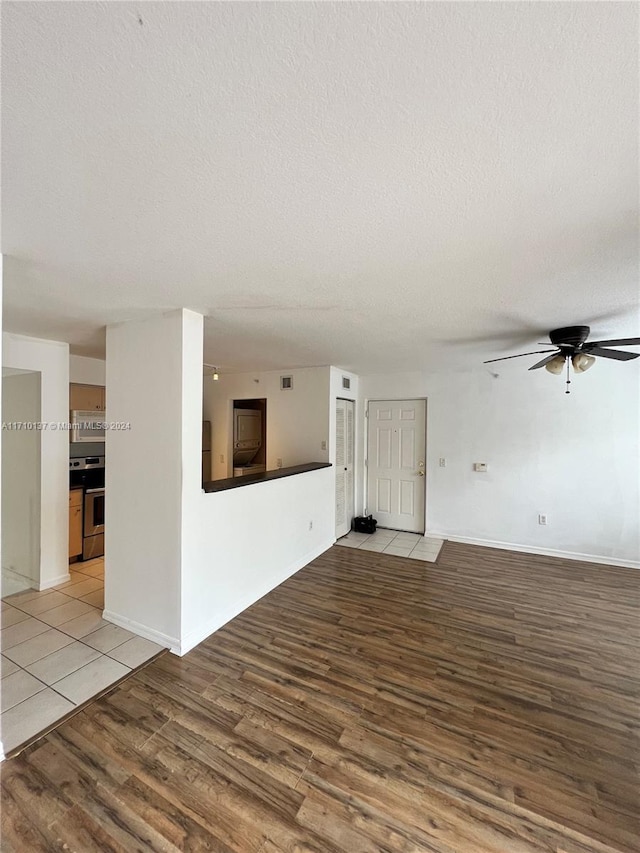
(568, 379)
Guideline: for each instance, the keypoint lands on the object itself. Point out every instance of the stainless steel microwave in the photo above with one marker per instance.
(87, 426)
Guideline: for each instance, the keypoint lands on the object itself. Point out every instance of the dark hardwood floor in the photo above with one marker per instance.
(488, 702)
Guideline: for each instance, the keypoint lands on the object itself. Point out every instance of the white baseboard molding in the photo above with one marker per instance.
(542, 552)
(193, 638)
(171, 643)
(54, 581)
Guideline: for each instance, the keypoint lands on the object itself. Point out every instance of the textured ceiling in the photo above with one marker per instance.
(376, 185)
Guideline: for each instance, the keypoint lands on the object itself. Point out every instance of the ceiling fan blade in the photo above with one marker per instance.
(505, 357)
(545, 360)
(619, 355)
(621, 342)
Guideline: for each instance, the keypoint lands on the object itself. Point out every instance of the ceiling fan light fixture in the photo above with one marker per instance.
(556, 365)
(581, 362)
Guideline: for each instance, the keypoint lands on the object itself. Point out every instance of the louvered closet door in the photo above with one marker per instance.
(345, 453)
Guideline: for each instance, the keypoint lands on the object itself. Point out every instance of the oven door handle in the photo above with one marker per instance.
(93, 491)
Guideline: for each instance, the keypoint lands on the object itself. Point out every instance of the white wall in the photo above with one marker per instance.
(87, 371)
(21, 477)
(179, 562)
(246, 541)
(51, 360)
(143, 509)
(572, 457)
(298, 420)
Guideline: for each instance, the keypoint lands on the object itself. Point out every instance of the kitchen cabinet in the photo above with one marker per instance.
(86, 397)
(75, 522)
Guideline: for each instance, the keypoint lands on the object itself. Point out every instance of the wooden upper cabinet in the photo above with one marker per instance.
(87, 397)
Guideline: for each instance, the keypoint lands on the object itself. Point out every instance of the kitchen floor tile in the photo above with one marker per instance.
(373, 546)
(91, 679)
(59, 615)
(397, 551)
(408, 538)
(74, 578)
(45, 601)
(18, 687)
(62, 663)
(83, 625)
(8, 667)
(38, 647)
(25, 630)
(85, 587)
(428, 549)
(93, 570)
(345, 542)
(27, 595)
(108, 638)
(135, 651)
(30, 717)
(11, 616)
(95, 599)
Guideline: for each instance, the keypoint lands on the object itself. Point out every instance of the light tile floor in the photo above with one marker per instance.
(395, 542)
(58, 652)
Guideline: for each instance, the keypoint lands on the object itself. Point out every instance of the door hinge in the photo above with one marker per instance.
(366, 463)
(366, 413)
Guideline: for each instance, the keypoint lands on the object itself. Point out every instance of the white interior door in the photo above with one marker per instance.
(396, 459)
(345, 452)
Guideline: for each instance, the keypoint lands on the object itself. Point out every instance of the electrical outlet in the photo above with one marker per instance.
(442, 462)
(222, 457)
(542, 518)
(480, 466)
(278, 463)
(311, 525)
(323, 445)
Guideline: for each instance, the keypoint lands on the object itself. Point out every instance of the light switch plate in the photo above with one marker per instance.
(480, 466)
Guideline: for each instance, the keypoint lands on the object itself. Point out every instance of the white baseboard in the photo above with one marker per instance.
(193, 638)
(171, 643)
(54, 581)
(542, 552)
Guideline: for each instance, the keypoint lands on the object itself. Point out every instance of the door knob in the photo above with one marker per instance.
(420, 473)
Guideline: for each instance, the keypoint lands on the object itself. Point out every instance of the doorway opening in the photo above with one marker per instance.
(249, 439)
(21, 484)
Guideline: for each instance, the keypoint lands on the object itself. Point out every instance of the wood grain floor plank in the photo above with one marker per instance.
(487, 703)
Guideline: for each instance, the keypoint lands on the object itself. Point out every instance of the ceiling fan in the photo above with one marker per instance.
(573, 348)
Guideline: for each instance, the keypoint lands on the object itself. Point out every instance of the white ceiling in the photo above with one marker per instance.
(380, 186)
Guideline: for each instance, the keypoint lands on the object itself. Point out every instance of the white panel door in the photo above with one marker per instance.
(345, 452)
(396, 473)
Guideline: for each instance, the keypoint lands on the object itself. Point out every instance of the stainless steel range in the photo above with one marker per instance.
(88, 472)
